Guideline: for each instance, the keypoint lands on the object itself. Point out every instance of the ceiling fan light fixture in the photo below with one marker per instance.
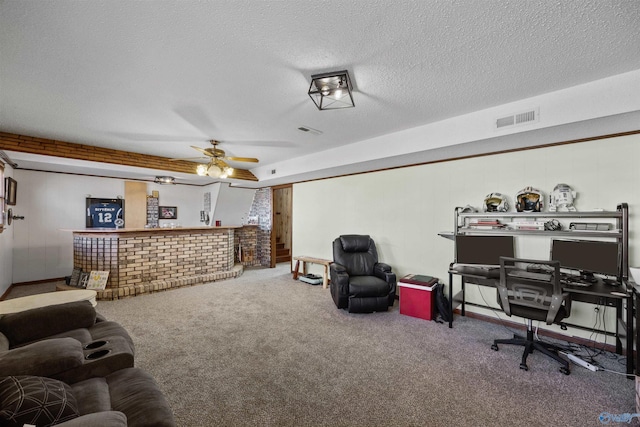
(214, 171)
(165, 180)
(331, 91)
(201, 170)
(217, 171)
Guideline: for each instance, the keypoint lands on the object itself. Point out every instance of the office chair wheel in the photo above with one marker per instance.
(565, 370)
(524, 367)
(494, 347)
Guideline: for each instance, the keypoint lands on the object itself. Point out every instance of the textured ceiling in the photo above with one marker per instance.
(158, 76)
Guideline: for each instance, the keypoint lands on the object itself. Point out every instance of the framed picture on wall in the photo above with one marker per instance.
(11, 190)
(168, 212)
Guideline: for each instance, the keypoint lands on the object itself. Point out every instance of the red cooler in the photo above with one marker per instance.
(417, 298)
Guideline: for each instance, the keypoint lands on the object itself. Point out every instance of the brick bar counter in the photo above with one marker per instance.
(142, 261)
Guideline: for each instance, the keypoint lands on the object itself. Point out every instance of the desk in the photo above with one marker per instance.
(17, 305)
(312, 260)
(599, 293)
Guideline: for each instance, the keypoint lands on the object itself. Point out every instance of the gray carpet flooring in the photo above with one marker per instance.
(265, 350)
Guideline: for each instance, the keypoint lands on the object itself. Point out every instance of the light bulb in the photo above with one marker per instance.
(201, 170)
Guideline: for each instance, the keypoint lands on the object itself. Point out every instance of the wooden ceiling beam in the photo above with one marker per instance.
(68, 150)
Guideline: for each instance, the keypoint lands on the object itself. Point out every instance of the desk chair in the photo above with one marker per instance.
(533, 296)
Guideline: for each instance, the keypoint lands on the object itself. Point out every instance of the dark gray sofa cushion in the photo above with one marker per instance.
(131, 391)
(32, 325)
(42, 358)
(98, 419)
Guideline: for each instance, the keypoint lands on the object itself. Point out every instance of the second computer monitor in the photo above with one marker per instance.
(586, 256)
(483, 250)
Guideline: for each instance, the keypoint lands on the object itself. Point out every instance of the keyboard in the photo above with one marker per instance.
(575, 282)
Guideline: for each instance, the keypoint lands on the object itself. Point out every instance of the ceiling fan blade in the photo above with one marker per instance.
(189, 158)
(243, 159)
(203, 151)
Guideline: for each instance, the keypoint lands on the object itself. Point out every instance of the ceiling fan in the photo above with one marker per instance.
(217, 167)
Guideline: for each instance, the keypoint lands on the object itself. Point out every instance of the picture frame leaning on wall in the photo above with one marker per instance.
(10, 190)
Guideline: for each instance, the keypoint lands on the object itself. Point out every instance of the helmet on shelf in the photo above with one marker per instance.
(495, 202)
(562, 198)
(529, 199)
(468, 209)
(553, 225)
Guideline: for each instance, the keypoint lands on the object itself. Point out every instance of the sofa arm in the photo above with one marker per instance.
(338, 274)
(384, 272)
(4, 342)
(43, 358)
(101, 419)
(381, 267)
(43, 322)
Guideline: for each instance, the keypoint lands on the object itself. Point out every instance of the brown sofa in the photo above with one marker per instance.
(67, 365)
(69, 342)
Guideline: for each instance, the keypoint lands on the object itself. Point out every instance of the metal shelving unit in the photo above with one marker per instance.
(619, 219)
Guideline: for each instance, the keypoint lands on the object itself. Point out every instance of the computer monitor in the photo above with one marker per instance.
(587, 257)
(483, 250)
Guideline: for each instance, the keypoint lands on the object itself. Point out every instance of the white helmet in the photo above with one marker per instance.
(468, 209)
(529, 199)
(495, 202)
(561, 198)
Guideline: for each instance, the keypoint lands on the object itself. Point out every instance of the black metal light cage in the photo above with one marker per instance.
(331, 91)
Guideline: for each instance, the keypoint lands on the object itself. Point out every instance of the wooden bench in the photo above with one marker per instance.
(312, 260)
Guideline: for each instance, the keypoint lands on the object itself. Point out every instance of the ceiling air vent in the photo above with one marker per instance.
(522, 118)
(310, 130)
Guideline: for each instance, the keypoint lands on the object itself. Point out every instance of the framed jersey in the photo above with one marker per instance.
(105, 213)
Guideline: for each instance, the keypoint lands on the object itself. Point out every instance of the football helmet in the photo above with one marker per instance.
(495, 202)
(529, 199)
(562, 198)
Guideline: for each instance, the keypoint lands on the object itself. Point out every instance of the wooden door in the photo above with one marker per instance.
(281, 233)
(135, 208)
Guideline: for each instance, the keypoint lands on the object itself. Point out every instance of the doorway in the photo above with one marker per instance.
(281, 220)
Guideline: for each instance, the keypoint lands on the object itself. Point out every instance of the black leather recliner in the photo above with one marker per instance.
(359, 282)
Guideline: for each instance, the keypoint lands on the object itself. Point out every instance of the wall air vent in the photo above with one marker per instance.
(525, 117)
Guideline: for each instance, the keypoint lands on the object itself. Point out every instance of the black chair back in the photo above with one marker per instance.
(357, 253)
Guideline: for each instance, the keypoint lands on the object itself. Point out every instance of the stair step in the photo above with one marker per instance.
(283, 251)
(283, 258)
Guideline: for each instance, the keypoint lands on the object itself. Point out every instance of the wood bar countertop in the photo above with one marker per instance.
(156, 230)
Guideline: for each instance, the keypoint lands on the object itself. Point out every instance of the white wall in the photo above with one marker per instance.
(233, 205)
(6, 245)
(404, 209)
(187, 198)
